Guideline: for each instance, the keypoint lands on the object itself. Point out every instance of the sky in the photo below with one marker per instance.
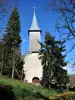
(46, 20)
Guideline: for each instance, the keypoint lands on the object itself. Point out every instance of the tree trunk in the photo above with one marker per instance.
(1, 71)
(13, 66)
(1, 64)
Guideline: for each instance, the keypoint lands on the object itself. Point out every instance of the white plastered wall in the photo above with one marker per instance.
(32, 67)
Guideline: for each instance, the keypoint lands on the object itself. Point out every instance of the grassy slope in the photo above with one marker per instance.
(27, 91)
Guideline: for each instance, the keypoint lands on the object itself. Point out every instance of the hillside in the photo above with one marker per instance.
(25, 91)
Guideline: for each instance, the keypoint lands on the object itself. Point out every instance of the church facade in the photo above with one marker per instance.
(33, 66)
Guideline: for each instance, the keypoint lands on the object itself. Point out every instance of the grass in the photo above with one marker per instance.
(25, 91)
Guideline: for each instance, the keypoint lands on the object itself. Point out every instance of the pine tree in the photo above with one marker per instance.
(12, 42)
(53, 61)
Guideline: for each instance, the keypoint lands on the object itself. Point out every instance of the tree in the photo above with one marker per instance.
(67, 11)
(53, 61)
(3, 10)
(65, 24)
(12, 42)
(66, 21)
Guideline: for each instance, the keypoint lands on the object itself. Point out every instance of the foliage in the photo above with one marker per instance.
(53, 61)
(65, 23)
(13, 63)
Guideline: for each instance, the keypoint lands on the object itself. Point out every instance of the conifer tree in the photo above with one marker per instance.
(53, 61)
(12, 42)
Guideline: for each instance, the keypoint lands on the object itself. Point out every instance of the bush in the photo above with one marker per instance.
(6, 93)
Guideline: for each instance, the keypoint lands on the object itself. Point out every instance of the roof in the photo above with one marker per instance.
(34, 25)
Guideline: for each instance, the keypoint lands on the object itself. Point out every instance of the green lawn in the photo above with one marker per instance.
(25, 91)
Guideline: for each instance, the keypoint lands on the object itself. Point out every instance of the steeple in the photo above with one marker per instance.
(34, 25)
(34, 35)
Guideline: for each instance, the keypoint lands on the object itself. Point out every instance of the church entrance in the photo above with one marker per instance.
(35, 80)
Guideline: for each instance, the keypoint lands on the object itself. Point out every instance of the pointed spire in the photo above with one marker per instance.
(34, 25)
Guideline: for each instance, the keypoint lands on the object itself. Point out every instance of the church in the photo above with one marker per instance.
(33, 66)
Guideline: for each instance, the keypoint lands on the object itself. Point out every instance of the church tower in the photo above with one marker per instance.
(34, 35)
(32, 66)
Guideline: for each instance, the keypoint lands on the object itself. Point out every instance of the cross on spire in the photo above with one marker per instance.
(34, 25)
(34, 8)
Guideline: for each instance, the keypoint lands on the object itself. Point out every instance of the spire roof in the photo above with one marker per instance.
(34, 25)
